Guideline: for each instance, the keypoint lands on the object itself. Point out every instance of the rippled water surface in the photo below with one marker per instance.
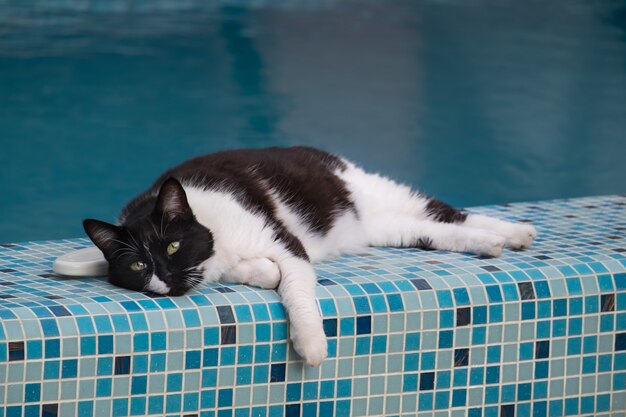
(475, 102)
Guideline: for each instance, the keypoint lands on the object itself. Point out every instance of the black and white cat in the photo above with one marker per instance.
(261, 216)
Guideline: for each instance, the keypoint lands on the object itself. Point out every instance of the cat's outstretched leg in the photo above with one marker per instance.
(517, 236)
(393, 229)
(297, 290)
(258, 272)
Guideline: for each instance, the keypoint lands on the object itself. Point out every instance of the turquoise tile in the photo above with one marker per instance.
(434, 331)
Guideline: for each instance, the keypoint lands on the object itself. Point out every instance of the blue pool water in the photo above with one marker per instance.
(475, 102)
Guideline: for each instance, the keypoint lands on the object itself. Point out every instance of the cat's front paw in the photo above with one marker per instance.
(267, 274)
(258, 272)
(310, 343)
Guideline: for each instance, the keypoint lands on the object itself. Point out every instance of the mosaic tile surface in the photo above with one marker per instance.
(411, 333)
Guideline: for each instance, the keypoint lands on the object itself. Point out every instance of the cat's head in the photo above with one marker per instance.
(159, 253)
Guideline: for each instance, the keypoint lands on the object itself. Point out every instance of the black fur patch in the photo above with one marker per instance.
(424, 243)
(302, 177)
(292, 243)
(442, 212)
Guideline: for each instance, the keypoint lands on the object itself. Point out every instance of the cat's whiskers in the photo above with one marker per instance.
(156, 233)
(193, 278)
(134, 240)
(193, 274)
(122, 249)
(124, 252)
(128, 245)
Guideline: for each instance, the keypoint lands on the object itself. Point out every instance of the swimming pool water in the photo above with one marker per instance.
(476, 103)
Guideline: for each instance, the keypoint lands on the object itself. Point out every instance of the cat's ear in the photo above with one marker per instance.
(172, 201)
(107, 237)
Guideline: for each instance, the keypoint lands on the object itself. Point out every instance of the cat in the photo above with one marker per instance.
(262, 216)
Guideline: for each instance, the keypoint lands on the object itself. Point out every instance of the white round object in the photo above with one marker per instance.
(88, 262)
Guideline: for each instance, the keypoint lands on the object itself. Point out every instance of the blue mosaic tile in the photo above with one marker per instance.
(540, 332)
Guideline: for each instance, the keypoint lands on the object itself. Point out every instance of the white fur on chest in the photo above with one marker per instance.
(237, 233)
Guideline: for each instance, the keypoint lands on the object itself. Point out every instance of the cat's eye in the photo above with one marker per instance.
(137, 266)
(173, 247)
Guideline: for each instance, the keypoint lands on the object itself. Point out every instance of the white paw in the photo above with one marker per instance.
(310, 343)
(267, 274)
(521, 236)
(489, 245)
(258, 272)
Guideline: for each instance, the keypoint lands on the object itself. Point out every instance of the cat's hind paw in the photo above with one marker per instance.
(491, 246)
(521, 236)
(482, 243)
